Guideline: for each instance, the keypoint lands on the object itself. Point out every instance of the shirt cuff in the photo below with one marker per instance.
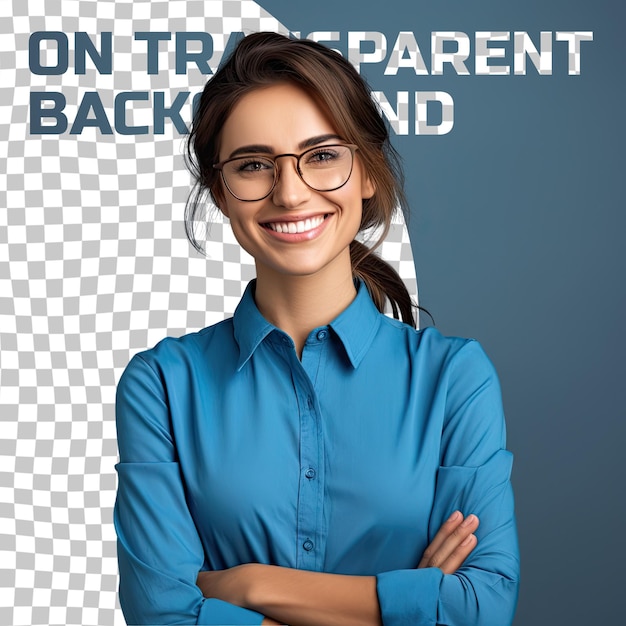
(409, 597)
(219, 613)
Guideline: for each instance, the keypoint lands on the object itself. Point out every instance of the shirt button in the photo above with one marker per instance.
(322, 335)
(310, 473)
(308, 545)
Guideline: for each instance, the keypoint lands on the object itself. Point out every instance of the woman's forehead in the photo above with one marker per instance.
(281, 117)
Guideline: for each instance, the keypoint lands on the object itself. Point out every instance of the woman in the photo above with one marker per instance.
(310, 461)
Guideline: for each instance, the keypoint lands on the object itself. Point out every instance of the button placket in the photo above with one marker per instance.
(310, 534)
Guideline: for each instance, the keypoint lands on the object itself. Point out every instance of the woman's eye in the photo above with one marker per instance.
(253, 165)
(321, 156)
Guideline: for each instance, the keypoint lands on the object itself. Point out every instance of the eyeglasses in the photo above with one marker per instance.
(252, 178)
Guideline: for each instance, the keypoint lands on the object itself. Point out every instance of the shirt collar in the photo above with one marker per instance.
(355, 327)
(250, 326)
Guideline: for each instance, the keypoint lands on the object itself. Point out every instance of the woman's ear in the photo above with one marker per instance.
(218, 197)
(368, 188)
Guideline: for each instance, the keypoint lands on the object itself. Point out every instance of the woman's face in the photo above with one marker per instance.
(279, 119)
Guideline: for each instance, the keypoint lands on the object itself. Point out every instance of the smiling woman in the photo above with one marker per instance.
(272, 192)
(311, 460)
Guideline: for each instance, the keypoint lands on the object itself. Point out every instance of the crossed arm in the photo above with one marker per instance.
(303, 598)
(474, 477)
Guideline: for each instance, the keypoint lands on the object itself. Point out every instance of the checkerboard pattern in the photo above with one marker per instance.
(94, 266)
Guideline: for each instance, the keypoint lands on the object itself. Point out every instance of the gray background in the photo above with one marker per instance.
(518, 221)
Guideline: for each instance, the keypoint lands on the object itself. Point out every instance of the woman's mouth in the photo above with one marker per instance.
(300, 226)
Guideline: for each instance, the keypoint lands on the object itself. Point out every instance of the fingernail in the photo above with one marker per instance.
(454, 516)
(468, 520)
(467, 540)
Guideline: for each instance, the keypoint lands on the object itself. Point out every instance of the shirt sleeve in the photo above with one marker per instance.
(474, 477)
(159, 551)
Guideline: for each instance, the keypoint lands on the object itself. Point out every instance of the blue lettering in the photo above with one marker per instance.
(201, 59)
(120, 112)
(91, 102)
(102, 60)
(173, 112)
(38, 112)
(34, 53)
(233, 39)
(153, 47)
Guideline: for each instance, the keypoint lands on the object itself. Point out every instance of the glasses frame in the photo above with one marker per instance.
(220, 166)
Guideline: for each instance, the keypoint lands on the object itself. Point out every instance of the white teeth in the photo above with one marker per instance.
(296, 227)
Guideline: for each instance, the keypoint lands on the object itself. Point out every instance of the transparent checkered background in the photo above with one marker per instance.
(94, 266)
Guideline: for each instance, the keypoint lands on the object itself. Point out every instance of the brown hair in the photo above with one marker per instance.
(263, 59)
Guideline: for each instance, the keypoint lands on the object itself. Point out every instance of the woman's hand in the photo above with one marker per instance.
(452, 544)
(292, 596)
(231, 585)
(448, 550)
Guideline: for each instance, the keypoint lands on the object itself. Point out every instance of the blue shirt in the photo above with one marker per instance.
(232, 450)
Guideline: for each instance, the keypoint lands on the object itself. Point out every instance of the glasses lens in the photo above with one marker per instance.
(249, 178)
(327, 167)
(324, 168)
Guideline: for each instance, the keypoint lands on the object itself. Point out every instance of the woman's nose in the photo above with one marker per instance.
(290, 190)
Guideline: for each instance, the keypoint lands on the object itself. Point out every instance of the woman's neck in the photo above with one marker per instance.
(298, 304)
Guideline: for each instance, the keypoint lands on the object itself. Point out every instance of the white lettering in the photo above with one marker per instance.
(573, 48)
(356, 57)
(483, 53)
(456, 59)
(406, 53)
(523, 47)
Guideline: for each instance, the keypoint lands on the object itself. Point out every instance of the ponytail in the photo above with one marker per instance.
(383, 283)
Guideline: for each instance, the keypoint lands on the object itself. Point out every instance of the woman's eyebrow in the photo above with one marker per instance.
(303, 145)
(314, 141)
(253, 149)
